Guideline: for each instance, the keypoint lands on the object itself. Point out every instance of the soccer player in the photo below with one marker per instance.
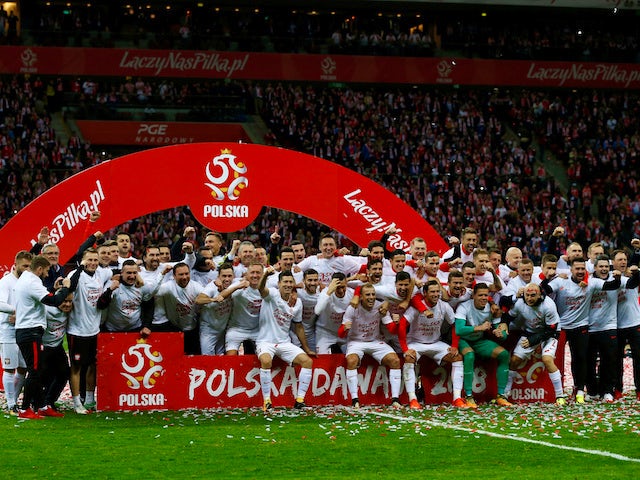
(55, 374)
(419, 334)
(326, 263)
(123, 240)
(332, 303)
(204, 268)
(309, 297)
(215, 312)
(473, 319)
(177, 301)
(573, 299)
(603, 332)
(244, 321)
(124, 303)
(509, 270)
(279, 308)
(13, 363)
(361, 327)
(516, 286)
(628, 314)
(84, 326)
(31, 296)
(461, 253)
(537, 317)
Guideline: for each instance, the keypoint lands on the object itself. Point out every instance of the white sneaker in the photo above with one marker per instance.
(608, 398)
(591, 398)
(80, 410)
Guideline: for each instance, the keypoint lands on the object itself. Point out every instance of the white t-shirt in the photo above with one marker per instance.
(215, 315)
(365, 324)
(536, 318)
(180, 304)
(124, 310)
(326, 267)
(424, 329)
(56, 327)
(30, 311)
(7, 330)
(574, 301)
(276, 316)
(330, 310)
(85, 318)
(246, 310)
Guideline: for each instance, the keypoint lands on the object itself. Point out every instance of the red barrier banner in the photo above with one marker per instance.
(315, 68)
(154, 374)
(225, 185)
(159, 134)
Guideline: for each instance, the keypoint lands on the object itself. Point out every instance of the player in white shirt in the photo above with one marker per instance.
(509, 270)
(158, 258)
(54, 357)
(215, 311)
(332, 303)
(398, 297)
(515, 288)
(537, 317)
(603, 332)
(460, 253)
(361, 327)
(628, 325)
(594, 250)
(243, 324)
(13, 364)
(286, 263)
(397, 263)
(573, 298)
(280, 307)
(124, 311)
(373, 275)
(485, 273)
(84, 326)
(309, 297)
(326, 263)
(123, 240)
(419, 334)
(204, 269)
(246, 252)
(178, 299)
(31, 298)
(457, 293)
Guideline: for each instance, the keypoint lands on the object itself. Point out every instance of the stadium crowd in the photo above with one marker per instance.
(496, 32)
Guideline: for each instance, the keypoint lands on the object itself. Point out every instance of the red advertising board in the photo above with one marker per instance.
(159, 134)
(154, 374)
(315, 68)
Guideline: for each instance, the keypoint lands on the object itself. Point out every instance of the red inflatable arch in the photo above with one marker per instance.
(225, 185)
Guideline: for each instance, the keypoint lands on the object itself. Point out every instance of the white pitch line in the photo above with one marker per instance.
(436, 423)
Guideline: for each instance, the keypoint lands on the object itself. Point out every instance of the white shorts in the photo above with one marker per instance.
(377, 349)
(549, 347)
(11, 356)
(437, 350)
(286, 351)
(236, 336)
(211, 341)
(324, 342)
